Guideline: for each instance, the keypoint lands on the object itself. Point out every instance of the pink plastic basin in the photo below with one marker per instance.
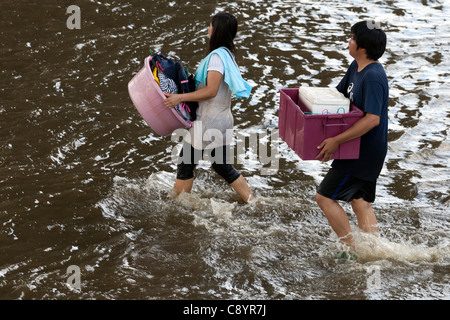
(304, 132)
(148, 98)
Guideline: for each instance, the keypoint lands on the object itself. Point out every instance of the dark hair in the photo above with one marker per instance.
(224, 31)
(368, 35)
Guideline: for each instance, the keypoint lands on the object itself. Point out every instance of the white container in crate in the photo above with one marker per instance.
(323, 100)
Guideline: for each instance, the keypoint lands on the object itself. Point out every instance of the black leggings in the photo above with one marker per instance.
(190, 157)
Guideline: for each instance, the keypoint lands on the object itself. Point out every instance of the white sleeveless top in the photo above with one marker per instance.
(214, 116)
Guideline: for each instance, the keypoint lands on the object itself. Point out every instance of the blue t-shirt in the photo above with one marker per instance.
(369, 91)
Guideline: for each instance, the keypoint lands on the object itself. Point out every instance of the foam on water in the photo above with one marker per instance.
(370, 247)
(222, 216)
(269, 238)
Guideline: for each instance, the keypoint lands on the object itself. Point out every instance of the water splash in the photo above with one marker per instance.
(373, 248)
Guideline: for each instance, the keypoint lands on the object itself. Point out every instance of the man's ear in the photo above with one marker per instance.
(362, 51)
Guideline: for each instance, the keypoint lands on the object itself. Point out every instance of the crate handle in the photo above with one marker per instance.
(327, 125)
(334, 124)
(324, 122)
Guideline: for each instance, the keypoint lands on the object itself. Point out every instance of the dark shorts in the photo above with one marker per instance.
(340, 186)
(220, 162)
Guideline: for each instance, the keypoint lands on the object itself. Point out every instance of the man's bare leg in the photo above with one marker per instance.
(337, 218)
(367, 221)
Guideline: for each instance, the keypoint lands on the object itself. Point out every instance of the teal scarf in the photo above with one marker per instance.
(232, 76)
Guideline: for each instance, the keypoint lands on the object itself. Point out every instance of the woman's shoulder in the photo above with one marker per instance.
(216, 63)
(215, 59)
(224, 53)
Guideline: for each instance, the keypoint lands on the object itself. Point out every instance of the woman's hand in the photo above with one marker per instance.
(172, 100)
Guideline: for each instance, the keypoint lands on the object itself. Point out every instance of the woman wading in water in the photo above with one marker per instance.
(217, 79)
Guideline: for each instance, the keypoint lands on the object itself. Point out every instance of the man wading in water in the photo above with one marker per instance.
(354, 181)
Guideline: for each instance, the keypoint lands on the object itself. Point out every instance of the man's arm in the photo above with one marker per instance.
(361, 127)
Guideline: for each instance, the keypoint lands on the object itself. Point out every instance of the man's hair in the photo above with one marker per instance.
(368, 35)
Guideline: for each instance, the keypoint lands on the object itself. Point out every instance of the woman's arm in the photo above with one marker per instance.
(210, 91)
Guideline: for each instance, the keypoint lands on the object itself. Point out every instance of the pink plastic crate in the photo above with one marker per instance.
(304, 132)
